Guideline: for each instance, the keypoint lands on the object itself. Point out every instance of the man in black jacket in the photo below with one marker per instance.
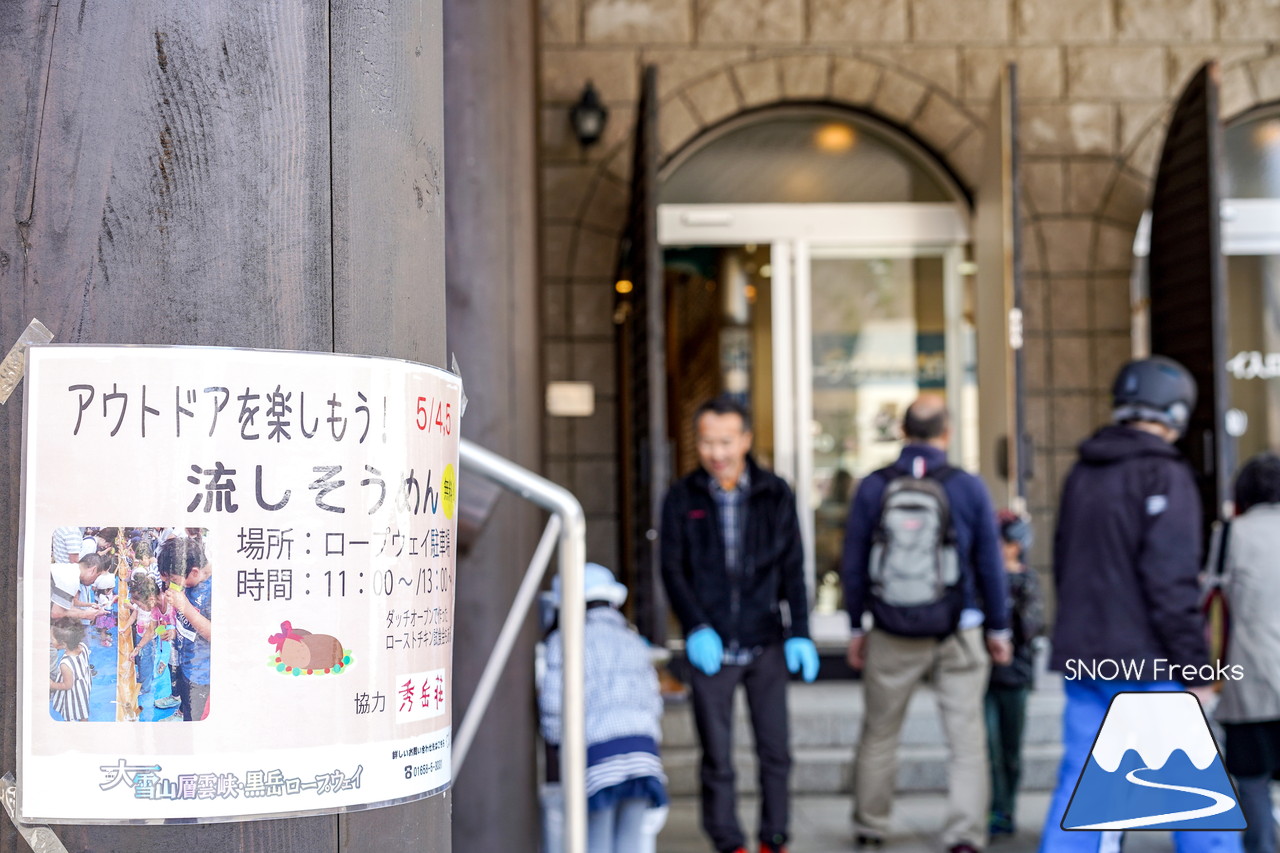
(731, 555)
(1126, 557)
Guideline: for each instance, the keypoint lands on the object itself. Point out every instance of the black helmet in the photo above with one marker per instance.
(1154, 389)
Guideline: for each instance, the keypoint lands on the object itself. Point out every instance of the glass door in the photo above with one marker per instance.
(854, 311)
(871, 330)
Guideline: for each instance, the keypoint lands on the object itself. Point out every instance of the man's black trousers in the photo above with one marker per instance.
(765, 681)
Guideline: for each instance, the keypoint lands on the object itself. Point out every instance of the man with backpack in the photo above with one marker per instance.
(921, 553)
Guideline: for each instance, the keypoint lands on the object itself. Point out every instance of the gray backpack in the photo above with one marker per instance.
(914, 568)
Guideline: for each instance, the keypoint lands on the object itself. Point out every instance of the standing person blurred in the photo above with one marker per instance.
(1126, 564)
(1006, 702)
(1248, 550)
(625, 783)
(731, 555)
(922, 554)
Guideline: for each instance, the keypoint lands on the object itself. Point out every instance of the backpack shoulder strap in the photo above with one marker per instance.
(941, 476)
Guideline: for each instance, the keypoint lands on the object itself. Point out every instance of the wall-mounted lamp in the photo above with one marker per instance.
(588, 116)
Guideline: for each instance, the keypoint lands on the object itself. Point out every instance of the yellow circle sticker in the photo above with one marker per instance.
(449, 491)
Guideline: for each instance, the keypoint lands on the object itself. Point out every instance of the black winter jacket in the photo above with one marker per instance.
(1026, 613)
(1126, 557)
(743, 609)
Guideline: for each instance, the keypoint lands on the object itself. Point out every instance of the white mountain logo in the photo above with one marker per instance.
(1154, 765)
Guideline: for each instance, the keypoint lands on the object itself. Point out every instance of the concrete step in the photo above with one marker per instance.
(825, 722)
(828, 771)
(839, 728)
(830, 714)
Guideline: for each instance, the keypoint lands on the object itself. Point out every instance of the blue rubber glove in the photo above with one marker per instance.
(704, 650)
(802, 657)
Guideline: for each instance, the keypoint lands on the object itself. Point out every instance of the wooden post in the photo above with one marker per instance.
(230, 174)
(493, 310)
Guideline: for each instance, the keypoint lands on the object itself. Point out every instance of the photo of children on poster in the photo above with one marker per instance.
(130, 624)
(323, 490)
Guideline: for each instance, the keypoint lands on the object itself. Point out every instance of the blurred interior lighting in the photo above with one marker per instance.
(1267, 134)
(835, 137)
(623, 286)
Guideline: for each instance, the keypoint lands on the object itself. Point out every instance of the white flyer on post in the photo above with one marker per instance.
(236, 583)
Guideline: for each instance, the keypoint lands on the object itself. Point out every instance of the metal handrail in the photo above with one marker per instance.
(568, 526)
(506, 641)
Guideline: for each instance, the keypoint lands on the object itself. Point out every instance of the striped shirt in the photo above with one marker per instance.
(614, 763)
(732, 504)
(66, 544)
(732, 507)
(72, 704)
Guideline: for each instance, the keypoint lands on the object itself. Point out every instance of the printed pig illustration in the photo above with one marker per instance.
(297, 649)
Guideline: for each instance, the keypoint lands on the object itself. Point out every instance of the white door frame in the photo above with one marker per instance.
(1250, 226)
(796, 233)
(875, 225)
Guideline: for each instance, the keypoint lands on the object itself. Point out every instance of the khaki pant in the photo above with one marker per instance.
(958, 668)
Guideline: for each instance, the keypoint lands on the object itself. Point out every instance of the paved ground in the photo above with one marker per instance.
(820, 824)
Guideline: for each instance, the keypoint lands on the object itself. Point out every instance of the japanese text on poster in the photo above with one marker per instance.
(249, 558)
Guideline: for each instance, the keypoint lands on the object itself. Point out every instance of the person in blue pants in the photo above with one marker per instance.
(1087, 703)
(1126, 561)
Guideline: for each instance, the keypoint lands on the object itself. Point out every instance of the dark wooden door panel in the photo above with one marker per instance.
(1187, 276)
(641, 321)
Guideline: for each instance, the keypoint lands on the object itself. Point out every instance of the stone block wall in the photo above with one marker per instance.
(1097, 81)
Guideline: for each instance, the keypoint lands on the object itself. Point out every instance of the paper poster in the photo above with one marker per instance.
(236, 583)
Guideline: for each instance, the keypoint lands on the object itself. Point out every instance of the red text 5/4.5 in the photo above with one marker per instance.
(434, 415)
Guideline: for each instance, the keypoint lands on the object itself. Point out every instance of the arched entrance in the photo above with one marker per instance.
(1207, 279)
(814, 265)
(819, 262)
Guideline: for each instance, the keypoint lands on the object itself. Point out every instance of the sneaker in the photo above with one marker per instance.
(766, 847)
(1000, 825)
(962, 847)
(168, 702)
(868, 842)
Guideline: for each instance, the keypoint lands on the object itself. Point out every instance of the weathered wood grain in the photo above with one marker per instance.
(492, 302)
(168, 171)
(388, 253)
(181, 187)
(388, 180)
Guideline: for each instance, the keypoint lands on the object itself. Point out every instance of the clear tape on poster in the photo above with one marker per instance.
(40, 839)
(15, 363)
